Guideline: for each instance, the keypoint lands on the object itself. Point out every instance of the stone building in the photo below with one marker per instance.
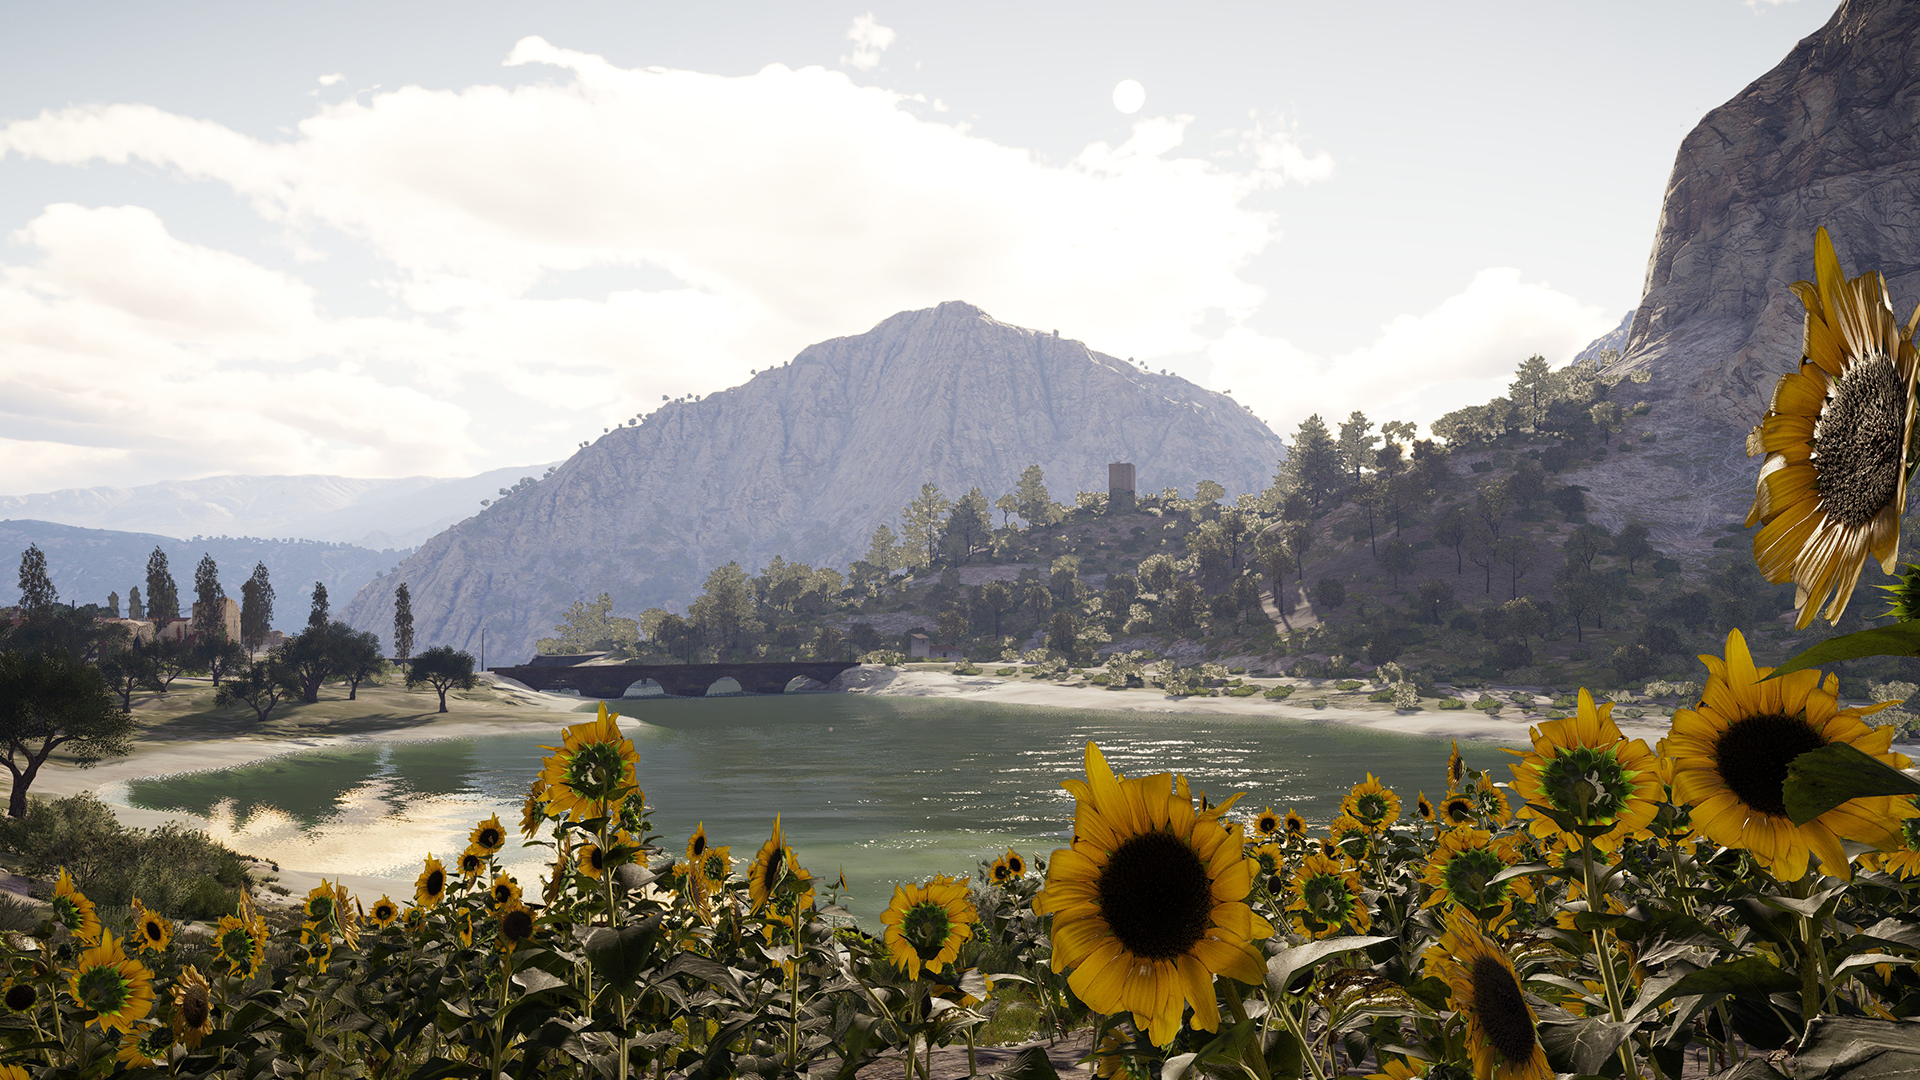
(1120, 487)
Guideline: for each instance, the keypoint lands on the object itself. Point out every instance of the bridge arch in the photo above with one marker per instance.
(801, 684)
(641, 688)
(724, 686)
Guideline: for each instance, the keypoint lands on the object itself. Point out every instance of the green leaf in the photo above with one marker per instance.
(1749, 975)
(1900, 639)
(1030, 1064)
(1863, 961)
(1582, 1046)
(1819, 780)
(1857, 1048)
(1282, 968)
(621, 955)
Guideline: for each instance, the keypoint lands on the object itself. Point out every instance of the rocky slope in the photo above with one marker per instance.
(804, 460)
(1829, 137)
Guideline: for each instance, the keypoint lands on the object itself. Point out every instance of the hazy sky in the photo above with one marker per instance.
(385, 239)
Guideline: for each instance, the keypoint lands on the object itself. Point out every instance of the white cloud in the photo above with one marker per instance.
(1419, 367)
(1273, 145)
(870, 39)
(329, 80)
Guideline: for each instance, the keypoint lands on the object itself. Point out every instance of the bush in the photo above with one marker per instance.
(1007, 671)
(1242, 691)
(1279, 693)
(1380, 695)
(884, 657)
(173, 868)
(1318, 703)
(1348, 684)
(1488, 704)
(966, 667)
(1406, 695)
(1331, 592)
(1452, 704)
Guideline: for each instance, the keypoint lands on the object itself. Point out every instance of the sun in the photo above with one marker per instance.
(1129, 96)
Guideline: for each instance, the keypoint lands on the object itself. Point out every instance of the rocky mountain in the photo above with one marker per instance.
(397, 513)
(1830, 137)
(804, 461)
(87, 564)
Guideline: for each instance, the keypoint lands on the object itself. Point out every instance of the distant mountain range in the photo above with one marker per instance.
(87, 564)
(804, 460)
(376, 514)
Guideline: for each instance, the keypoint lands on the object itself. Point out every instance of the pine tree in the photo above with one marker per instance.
(37, 594)
(883, 552)
(402, 623)
(1532, 390)
(317, 615)
(1030, 495)
(163, 596)
(1356, 445)
(256, 608)
(968, 524)
(1312, 468)
(208, 599)
(923, 517)
(135, 609)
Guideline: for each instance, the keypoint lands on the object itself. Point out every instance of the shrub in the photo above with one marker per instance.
(1348, 684)
(1331, 592)
(1488, 704)
(1452, 704)
(884, 657)
(1406, 695)
(1279, 693)
(1380, 695)
(1318, 703)
(1242, 691)
(173, 868)
(1006, 671)
(966, 667)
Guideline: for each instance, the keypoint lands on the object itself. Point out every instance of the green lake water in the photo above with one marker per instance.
(889, 789)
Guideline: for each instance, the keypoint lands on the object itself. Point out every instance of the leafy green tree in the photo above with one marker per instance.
(1570, 500)
(1607, 417)
(1435, 597)
(1491, 502)
(317, 616)
(998, 598)
(1356, 445)
(256, 608)
(52, 702)
(445, 668)
(1582, 548)
(1396, 560)
(1299, 538)
(1398, 431)
(1063, 635)
(260, 686)
(1270, 551)
(1580, 596)
(174, 658)
(1206, 494)
(724, 611)
(1452, 531)
(1313, 466)
(1212, 553)
(1157, 574)
(37, 594)
(1634, 662)
(923, 518)
(163, 596)
(314, 656)
(402, 622)
(1633, 544)
(128, 670)
(1532, 391)
(676, 636)
(1031, 498)
(590, 626)
(218, 657)
(360, 659)
(1038, 600)
(1331, 592)
(1517, 553)
(135, 609)
(968, 524)
(1008, 506)
(207, 600)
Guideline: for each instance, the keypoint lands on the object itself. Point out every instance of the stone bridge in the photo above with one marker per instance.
(677, 680)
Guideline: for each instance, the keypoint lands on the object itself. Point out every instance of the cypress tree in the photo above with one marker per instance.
(37, 595)
(402, 623)
(256, 608)
(208, 599)
(113, 604)
(135, 609)
(163, 596)
(317, 615)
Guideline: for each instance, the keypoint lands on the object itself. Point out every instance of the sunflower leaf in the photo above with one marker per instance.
(1282, 968)
(1749, 975)
(1900, 639)
(1030, 1064)
(1524, 870)
(1819, 780)
(1582, 1046)
(1858, 1048)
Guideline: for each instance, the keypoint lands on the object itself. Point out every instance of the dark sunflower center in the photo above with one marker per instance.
(1327, 897)
(436, 881)
(775, 863)
(154, 930)
(1276, 884)
(699, 846)
(1015, 866)
(193, 1010)
(1752, 756)
(1859, 441)
(1297, 826)
(1268, 825)
(491, 837)
(1585, 781)
(502, 893)
(1425, 808)
(103, 989)
(1502, 1011)
(1001, 873)
(1155, 894)
(383, 912)
(596, 858)
(1469, 877)
(925, 927)
(517, 925)
(22, 997)
(1459, 811)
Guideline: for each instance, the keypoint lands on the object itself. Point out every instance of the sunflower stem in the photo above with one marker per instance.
(1601, 954)
(1255, 1053)
(1296, 1026)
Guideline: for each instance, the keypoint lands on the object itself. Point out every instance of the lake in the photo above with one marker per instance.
(888, 789)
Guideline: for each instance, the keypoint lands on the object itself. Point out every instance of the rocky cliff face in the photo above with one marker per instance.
(1829, 137)
(803, 461)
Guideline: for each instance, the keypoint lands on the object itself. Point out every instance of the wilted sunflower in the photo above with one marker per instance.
(1266, 823)
(1731, 756)
(927, 923)
(533, 812)
(1502, 1032)
(1837, 438)
(592, 772)
(19, 997)
(117, 990)
(156, 931)
(192, 1018)
(489, 836)
(1456, 767)
(1149, 904)
(1463, 866)
(1585, 768)
(773, 861)
(1327, 900)
(431, 886)
(1372, 804)
(516, 925)
(242, 943)
(1016, 866)
(384, 912)
(73, 910)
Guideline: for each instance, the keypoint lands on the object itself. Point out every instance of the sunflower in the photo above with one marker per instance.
(1327, 898)
(1149, 904)
(1266, 823)
(592, 772)
(533, 812)
(1463, 865)
(242, 943)
(557, 880)
(1904, 860)
(385, 911)
(1424, 807)
(156, 931)
(318, 943)
(997, 873)
(14, 1072)
(715, 867)
(192, 1008)
(1402, 1069)
(1371, 804)
(431, 886)
(1117, 1058)
(473, 861)
(1492, 802)
(19, 997)
(466, 929)
(319, 907)
(489, 836)
(697, 843)
(1458, 809)
(1485, 989)
(1351, 837)
(1294, 827)
(516, 925)
(592, 861)
(1016, 866)
(1456, 767)
(926, 924)
(1837, 438)
(73, 910)
(1731, 756)
(505, 890)
(774, 860)
(137, 1050)
(1583, 767)
(118, 991)
(1271, 859)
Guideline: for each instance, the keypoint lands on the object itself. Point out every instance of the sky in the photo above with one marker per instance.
(394, 239)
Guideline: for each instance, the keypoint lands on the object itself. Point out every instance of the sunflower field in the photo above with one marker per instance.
(1737, 899)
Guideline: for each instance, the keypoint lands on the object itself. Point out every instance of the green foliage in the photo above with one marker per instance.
(1279, 693)
(170, 868)
(444, 668)
(586, 627)
(1452, 704)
